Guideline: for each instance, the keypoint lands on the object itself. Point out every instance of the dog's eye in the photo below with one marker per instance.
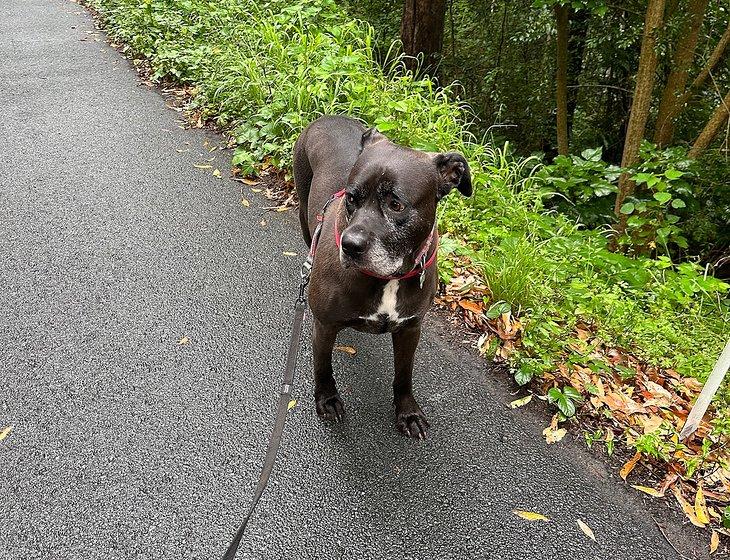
(396, 205)
(350, 199)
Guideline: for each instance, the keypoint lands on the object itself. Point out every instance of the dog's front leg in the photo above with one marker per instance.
(409, 417)
(327, 399)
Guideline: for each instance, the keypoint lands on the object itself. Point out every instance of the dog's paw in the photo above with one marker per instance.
(330, 407)
(411, 421)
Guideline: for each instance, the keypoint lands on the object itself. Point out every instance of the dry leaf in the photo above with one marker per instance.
(647, 490)
(554, 436)
(520, 402)
(202, 166)
(217, 174)
(288, 254)
(629, 466)
(686, 507)
(701, 506)
(347, 350)
(282, 209)
(183, 340)
(651, 423)
(257, 190)
(245, 202)
(4, 433)
(292, 404)
(473, 306)
(530, 515)
(587, 530)
(714, 541)
(249, 181)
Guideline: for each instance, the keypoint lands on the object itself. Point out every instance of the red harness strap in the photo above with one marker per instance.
(421, 262)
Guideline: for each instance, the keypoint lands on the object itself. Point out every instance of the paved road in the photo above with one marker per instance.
(127, 444)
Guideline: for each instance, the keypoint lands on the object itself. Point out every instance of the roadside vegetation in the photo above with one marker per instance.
(592, 277)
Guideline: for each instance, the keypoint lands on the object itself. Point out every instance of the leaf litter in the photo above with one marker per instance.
(623, 399)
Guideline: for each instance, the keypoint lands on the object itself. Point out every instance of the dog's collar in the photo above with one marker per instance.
(423, 261)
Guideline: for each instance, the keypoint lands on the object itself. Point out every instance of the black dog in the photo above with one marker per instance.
(374, 269)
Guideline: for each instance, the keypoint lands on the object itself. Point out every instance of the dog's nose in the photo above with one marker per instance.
(354, 243)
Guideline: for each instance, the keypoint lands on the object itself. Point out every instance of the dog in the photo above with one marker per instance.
(374, 269)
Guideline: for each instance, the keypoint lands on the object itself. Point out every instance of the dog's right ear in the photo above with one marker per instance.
(371, 136)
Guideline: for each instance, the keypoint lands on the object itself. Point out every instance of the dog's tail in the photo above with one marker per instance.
(303, 181)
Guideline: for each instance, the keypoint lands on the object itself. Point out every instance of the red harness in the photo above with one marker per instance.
(421, 262)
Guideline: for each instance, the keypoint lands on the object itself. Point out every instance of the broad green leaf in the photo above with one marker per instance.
(662, 197)
(523, 376)
(497, 309)
(672, 174)
(678, 203)
(627, 208)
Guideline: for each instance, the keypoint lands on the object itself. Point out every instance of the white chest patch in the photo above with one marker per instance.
(388, 304)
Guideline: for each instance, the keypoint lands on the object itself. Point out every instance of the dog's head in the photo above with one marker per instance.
(390, 203)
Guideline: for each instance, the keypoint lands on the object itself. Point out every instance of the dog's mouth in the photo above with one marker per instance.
(384, 267)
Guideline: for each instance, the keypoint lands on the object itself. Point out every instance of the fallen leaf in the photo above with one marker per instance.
(647, 490)
(249, 181)
(282, 209)
(202, 166)
(714, 541)
(520, 402)
(183, 340)
(651, 423)
(686, 507)
(347, 350)
(292, 404)
(4, 433)
(629, 466)
(473, 306)
(587, 530)
(257, 190)
(263, 222)
(245, 202)
(530, 515)
(288, 254)
(554, 436)
(701, 506)
(217, 174)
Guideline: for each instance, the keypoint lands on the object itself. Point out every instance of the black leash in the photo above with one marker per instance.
(285, 394)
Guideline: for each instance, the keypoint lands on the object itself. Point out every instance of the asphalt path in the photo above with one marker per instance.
(127, 444)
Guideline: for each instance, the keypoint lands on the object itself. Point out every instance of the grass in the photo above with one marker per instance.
(266, 69)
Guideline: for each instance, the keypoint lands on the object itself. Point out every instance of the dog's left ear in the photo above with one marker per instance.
(454, 171)
(371, 136)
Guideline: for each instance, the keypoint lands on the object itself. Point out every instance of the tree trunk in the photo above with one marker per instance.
(677, 80)
(561, 16)
(577, 34)
(715, 57)
(718, 118)
(422, 31)
(640, 105)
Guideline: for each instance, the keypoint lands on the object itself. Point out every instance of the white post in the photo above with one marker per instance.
(708, 391)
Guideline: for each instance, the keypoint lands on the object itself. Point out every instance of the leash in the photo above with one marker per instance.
(300, 307)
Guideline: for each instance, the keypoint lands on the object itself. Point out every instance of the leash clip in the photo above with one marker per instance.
(422, 276)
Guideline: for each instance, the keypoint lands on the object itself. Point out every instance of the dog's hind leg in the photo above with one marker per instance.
(303, 182)
(327, 399)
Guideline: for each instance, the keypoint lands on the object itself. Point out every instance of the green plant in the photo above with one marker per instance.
(564, 399)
